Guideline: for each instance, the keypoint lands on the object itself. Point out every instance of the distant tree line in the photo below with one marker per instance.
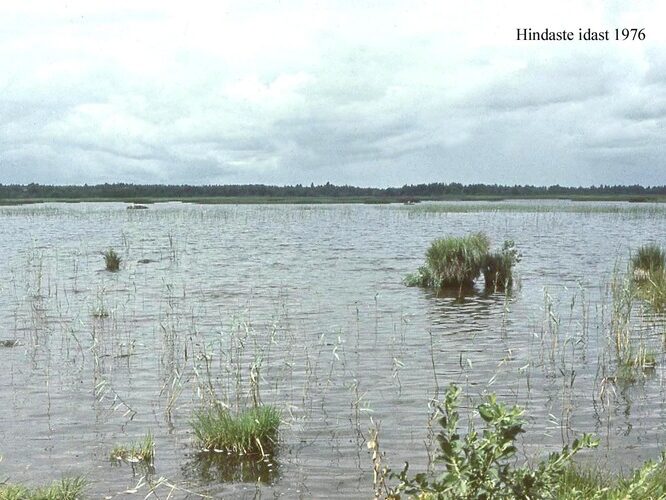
(432, 190)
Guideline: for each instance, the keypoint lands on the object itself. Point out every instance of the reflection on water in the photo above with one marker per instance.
(211, 467)
(303, 307)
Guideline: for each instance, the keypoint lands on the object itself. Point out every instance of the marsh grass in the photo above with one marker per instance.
(649, 273)
(633, 359)
(646, 482)
(112, 260)
(653, 290)
(142, 451)
(452, 262)
(252, 432)
(536, 207)
(498, 267)
(649, 259)
(456, 262)
(64, 489)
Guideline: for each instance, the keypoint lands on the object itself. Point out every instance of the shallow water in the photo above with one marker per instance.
(312, 296)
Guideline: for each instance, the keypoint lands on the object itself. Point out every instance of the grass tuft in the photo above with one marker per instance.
(252, 432)
(456, 262)
(111, 260)
(143, 451)
(648, 481)
(498, 267)
(64, 489)
(649, 271)
(648, 259)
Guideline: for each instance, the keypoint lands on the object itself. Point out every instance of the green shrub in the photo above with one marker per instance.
(480, 466)
(65, 489)
(112, 260)
(498, 267)
(251, 432)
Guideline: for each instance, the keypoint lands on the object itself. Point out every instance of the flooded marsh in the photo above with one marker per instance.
(302, 308)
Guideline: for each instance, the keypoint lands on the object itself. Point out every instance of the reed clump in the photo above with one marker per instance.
(251, 432)
(649, 259)
(64, 489)
(111, 260)
(649, 272)
(142, 451)
(498, 267)
(456, 262)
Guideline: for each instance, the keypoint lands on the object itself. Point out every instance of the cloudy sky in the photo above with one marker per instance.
(352, 92)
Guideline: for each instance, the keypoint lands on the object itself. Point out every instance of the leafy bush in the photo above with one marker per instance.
(477, 466)
(112, 260)
(251, 432)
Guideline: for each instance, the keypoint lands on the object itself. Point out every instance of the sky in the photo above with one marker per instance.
(368, 93)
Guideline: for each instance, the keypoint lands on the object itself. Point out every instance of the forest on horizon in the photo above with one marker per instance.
(433, 190)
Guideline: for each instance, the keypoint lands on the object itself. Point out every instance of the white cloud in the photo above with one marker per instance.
(371, 93)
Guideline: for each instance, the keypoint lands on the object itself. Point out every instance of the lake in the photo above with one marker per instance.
(305, 305)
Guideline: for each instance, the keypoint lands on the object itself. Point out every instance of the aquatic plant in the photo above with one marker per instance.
(648, 259)
(480, 465)
(653, 290)
(452, 262)
(251, 432)
(64, 489)
(498, 267)
(649, 275)
(142, 451)
(456, 262)
(111, 260)
(648, 481)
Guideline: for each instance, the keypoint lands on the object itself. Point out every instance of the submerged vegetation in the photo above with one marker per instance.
(251, 432)
(64, 489)
(456, 262)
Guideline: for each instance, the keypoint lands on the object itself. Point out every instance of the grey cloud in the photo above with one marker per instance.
(349, 107)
